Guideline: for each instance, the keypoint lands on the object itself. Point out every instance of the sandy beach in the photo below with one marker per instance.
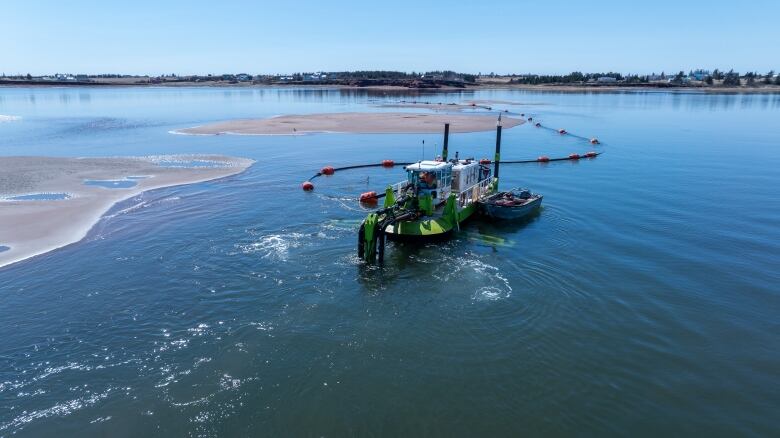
(361, 123)
(32, 227)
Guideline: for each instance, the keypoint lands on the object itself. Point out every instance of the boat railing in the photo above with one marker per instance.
(398, 186)
(473, 192)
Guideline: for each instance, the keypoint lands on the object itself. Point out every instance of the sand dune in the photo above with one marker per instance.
(363, 123)
(32, 227)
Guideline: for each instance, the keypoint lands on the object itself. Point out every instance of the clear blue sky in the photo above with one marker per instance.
(184, 37)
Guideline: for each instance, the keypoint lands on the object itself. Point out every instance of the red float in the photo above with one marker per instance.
(388, 163)
(307, 186)
(328, 170)
(484, 161)
(574, 156)
(368, 197)
(543, 159)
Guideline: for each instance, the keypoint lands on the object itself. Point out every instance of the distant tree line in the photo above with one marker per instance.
(571, 78)
(395, 75)
(437, 78)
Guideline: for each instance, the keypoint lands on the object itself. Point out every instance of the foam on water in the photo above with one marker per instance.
(58, 410)
(273, 246)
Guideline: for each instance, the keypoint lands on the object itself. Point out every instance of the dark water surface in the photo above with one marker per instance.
(642, 300)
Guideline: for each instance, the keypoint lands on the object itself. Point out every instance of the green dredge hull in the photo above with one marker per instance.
(416, 219)
(428, 229)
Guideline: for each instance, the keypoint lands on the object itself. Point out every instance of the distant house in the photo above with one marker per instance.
(700, 74)
(315, 77)
(606, 80)
(684, 80)
(82, 78)
(243, 77)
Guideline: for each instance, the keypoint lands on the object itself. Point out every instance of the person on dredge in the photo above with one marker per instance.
(427, 181)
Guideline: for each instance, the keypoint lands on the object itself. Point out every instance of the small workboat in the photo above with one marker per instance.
(514, 204)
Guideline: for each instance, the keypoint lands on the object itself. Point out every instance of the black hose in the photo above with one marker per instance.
(551, 159)
(557, 132)
(360, 166)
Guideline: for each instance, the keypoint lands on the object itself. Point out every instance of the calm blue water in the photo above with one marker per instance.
(642, 300)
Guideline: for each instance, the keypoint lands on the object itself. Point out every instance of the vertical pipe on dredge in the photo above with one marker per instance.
(446, 141)
(497, 158)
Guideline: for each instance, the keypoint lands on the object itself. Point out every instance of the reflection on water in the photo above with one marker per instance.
(233, 306)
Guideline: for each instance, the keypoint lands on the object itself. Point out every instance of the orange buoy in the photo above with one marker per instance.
(538, 125)
(388, 163)
(543, 159)
(327, 170)
(307, 186)
(484, 161)
(561, 131)
(594, 140)
(591, 154)
(574, 156)
(368, 197)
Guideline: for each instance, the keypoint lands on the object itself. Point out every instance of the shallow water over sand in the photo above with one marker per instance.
(38, 197)
(112, 183)
(642, 299)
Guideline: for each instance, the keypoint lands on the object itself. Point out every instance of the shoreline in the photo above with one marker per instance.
(772, 89)
(29, 228)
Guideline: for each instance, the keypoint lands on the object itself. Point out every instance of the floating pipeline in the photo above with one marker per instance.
(330, 170)
(546, 159)
(562, 131)
(373, 197)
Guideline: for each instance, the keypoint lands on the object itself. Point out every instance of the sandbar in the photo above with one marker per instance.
(358, 123)
(32, 227)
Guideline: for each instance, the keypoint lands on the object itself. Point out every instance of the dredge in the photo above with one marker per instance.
(437, 196)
